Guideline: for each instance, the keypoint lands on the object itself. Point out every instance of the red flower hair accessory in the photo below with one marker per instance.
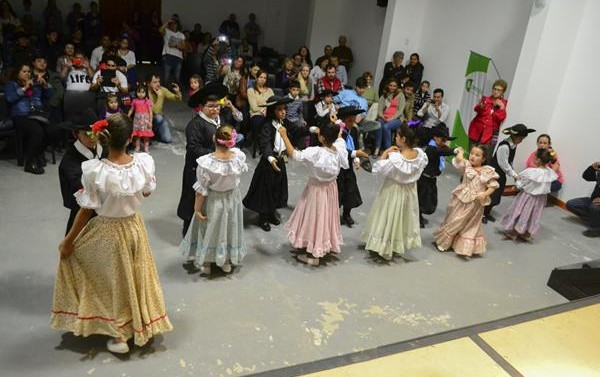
(99, 126)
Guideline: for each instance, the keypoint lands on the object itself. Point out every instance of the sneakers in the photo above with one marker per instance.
(308, 260)
(114, 347)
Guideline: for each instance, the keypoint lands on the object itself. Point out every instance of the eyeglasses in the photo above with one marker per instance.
(215, 106)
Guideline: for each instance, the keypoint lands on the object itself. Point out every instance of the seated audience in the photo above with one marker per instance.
(588, 208)
(330, 80)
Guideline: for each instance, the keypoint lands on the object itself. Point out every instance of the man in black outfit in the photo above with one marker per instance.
(589, 208)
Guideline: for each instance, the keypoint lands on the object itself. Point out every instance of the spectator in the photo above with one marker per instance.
(327, 51)
(51, 49)
(318, 71)
(78, 74)
(93, 26)
(421, 97)
(392, 69)
(354, 98)
(330, 80)
(409, 95)
(230, 27)
(305, 54)
(173, 46)
(370, 94)
(99, 51)
(23, 52)
(490, 113)
(129, 56)
(252, 31)
(75, 19)
(216, 57)
(252, 75)
(415, 69)
(109, 79)
(340, 70)
(52, 17)
(257, 99)
(197, 35)
(307, 88)
(9, 22)
(134, 39)
(287, 73)
(78, 42)
(26, 109)
(64, 61)
(51, 81)
(246, 50)
(297, 59)
(161, 126)
(234, 74)
(588, 209)
(390, 114)
(29, 23)
(343, 53)
(435, 111)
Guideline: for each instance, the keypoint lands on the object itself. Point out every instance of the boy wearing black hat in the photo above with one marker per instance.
(436, 150)
(349, 194)
(199, 134)
(84, 148)
(502, 161)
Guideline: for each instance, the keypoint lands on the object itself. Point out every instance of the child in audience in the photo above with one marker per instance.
(325, 107)
(141, 109)
(216, 232)
(314, 225)
(502, 162)
(421, 96)
(544, 142)
(293, 110)
(195, 85)
(524, 214)
(393, 223)
(112, 105)
(461, 229)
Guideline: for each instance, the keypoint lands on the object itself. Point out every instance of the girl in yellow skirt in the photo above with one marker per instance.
(107, 282)
(393, 223)
(462, 228)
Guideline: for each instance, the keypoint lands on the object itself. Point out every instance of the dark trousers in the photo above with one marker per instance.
(588, 211)
(33, 134)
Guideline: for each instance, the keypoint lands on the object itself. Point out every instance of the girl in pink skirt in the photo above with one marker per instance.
(315, 223)
(461, 229)
(141, 109)
(523, 216)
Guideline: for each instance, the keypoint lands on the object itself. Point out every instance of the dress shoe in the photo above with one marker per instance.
(592, 233)
(273, 220)
(348, 220)
(265, 226)
(489, 217)
(34, 169)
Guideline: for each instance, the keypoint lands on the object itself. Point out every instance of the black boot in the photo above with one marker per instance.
(263, 223)
(347, 219)
(33, 168)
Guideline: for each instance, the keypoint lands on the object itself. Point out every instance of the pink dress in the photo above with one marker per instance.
(315, 222)
(462, 229)
(142, 124)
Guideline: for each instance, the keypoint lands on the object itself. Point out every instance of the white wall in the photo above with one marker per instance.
(283, 22)
(361, 21)
(556, 87)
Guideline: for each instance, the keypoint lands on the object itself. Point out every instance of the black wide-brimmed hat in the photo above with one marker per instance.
(347, 111)
(81, 120)
(441, 130)
(212, 89)
(274, 101)
(327, 92)
(518, 130)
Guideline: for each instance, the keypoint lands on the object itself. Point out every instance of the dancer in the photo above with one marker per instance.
(461, 229)
(314, 225)
(84, 148)
(348, 191)
(268, 190)
(216, 232)
(141, 109)
(107, 282)
(544, 142)
(523, 217)
(436, 151)
(392, 226)
(502, 163)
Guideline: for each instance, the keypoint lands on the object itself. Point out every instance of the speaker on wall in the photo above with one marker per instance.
(382, 3)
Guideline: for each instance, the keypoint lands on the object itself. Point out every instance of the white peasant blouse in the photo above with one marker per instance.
(219, 175)
(323, 163)
(401, 169)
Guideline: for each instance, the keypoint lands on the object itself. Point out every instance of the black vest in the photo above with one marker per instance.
(511, 157)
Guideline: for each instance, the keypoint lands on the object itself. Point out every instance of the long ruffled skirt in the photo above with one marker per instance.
(525, 213)
(315, 222)
(110, 284)
(220, 238)
(461, 229)
(393, 223)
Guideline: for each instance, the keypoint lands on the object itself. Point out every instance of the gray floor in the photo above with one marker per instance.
(272, 312)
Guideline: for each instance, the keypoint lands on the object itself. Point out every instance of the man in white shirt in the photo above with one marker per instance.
(99, 51)
(435, 111)
(79, 78)
(105, 81)
(173, 46)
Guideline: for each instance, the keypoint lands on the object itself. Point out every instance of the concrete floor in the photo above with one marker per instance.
(271, 312)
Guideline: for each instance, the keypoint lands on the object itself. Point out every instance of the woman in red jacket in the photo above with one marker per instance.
(491, 112)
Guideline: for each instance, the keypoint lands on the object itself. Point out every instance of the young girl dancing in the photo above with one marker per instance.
(315, 222)
(107, 281)
(544, 142)
(393, 223)
(141, 108)
(461, 230)
(523, 216)
(216, 232)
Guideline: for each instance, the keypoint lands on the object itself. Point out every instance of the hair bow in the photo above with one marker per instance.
(229, 143)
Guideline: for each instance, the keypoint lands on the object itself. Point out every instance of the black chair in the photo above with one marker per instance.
(9, 131)
(278, 92)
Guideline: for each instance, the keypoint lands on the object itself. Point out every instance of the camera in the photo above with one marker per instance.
(76, 61)
(223, 39)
